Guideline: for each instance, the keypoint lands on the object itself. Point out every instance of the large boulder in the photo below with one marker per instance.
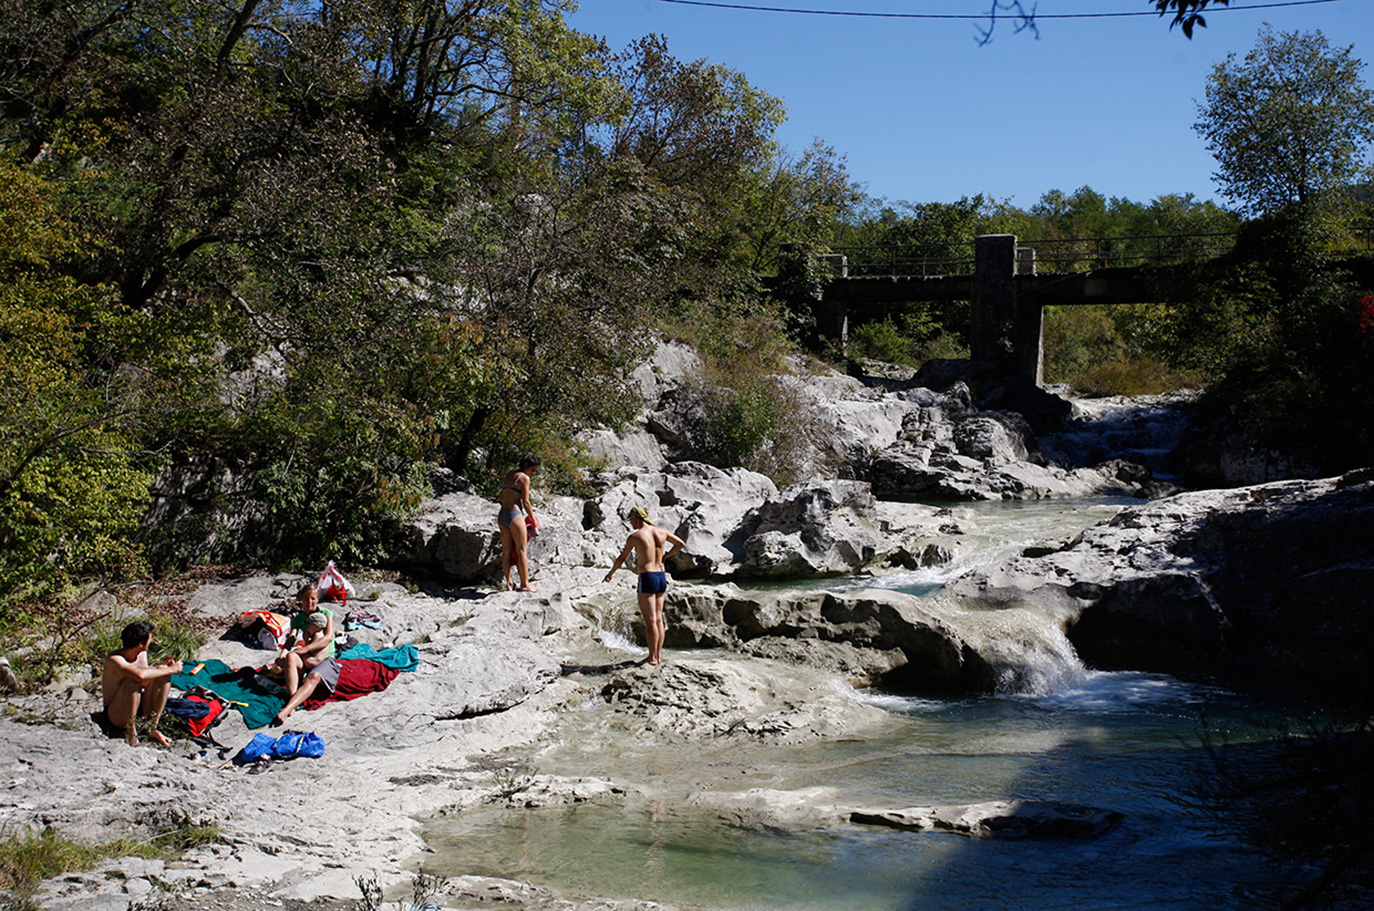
(455, 534)
(664, 371)
(913, 470)
(823, 529)
(1269, 585)
(700, 503)
(950, 450)
(996, 438)
(710, 699)
(1045, 411)
(849, 421)
(635, 449)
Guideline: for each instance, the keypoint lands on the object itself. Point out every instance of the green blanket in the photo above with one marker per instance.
(256, 704)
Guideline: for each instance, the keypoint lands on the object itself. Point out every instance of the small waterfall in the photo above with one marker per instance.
(1027, 648)
(612, 613)
(1144, 429)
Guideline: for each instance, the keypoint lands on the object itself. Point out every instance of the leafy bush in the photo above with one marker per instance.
(172, 638)
(1098, 351)
(747, 415)
(941, 346)
(72, 490)
(882, 341)
(1285, 330)
(913, 334)
(1142, 375)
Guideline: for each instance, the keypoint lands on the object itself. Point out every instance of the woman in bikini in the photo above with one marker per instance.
(515, 508)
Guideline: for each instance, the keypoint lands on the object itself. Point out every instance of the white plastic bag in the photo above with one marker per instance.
(333, 586)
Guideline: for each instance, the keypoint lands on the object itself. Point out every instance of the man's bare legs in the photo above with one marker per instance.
(298, 695)
(293, 666)
(131, 700)
(651, 607)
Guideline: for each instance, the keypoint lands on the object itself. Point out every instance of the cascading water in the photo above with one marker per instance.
(1028, 650)
(1141, 429)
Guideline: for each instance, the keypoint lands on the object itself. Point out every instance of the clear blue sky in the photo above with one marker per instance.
(922, 113)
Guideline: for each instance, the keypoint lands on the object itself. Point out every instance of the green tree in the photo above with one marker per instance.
(72, 487)
(1289, 123)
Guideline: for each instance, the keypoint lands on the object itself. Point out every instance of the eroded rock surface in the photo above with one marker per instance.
(998, 819)
(709, 699)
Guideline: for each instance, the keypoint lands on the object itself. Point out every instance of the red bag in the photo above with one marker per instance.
(215, 707)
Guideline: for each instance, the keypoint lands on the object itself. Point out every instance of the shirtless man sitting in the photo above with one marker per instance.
(131, 688)
(647, 541)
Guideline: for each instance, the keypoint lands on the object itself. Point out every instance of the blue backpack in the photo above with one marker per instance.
(288, 746)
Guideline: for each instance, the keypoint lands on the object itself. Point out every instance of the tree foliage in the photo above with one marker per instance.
(72, 487)
(291, 256)
(1288, 124)
(1187, 13)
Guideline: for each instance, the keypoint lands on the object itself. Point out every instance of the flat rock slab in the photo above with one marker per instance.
(998, 819)
(755, 701)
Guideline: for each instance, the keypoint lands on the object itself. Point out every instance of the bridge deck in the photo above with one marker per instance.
(1114, 285)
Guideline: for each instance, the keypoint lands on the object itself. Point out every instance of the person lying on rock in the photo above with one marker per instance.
(315, 643)
(647, 542)
(131, 688)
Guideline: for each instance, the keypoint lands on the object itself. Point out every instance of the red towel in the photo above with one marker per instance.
(357, 677)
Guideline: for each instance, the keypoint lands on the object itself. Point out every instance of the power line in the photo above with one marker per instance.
(979, 16)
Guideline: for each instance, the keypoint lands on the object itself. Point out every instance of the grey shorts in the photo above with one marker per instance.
(328, 669)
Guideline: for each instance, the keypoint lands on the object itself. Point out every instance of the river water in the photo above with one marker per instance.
(1129, 742)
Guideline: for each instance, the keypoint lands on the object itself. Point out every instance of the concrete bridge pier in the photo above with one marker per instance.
(1007, 327)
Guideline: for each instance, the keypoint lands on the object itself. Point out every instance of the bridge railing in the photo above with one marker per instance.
(1058, 254)
(1077, 254)
(914, 259)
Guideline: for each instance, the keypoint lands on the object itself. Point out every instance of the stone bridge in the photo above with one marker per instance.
(1007, 294)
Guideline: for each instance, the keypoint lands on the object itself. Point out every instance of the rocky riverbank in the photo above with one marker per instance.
(1188, 583)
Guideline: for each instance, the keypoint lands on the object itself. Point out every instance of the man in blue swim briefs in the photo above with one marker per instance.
(647, 541)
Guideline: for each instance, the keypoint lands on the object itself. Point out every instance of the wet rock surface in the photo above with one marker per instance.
(883, 635)
(998, 819)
